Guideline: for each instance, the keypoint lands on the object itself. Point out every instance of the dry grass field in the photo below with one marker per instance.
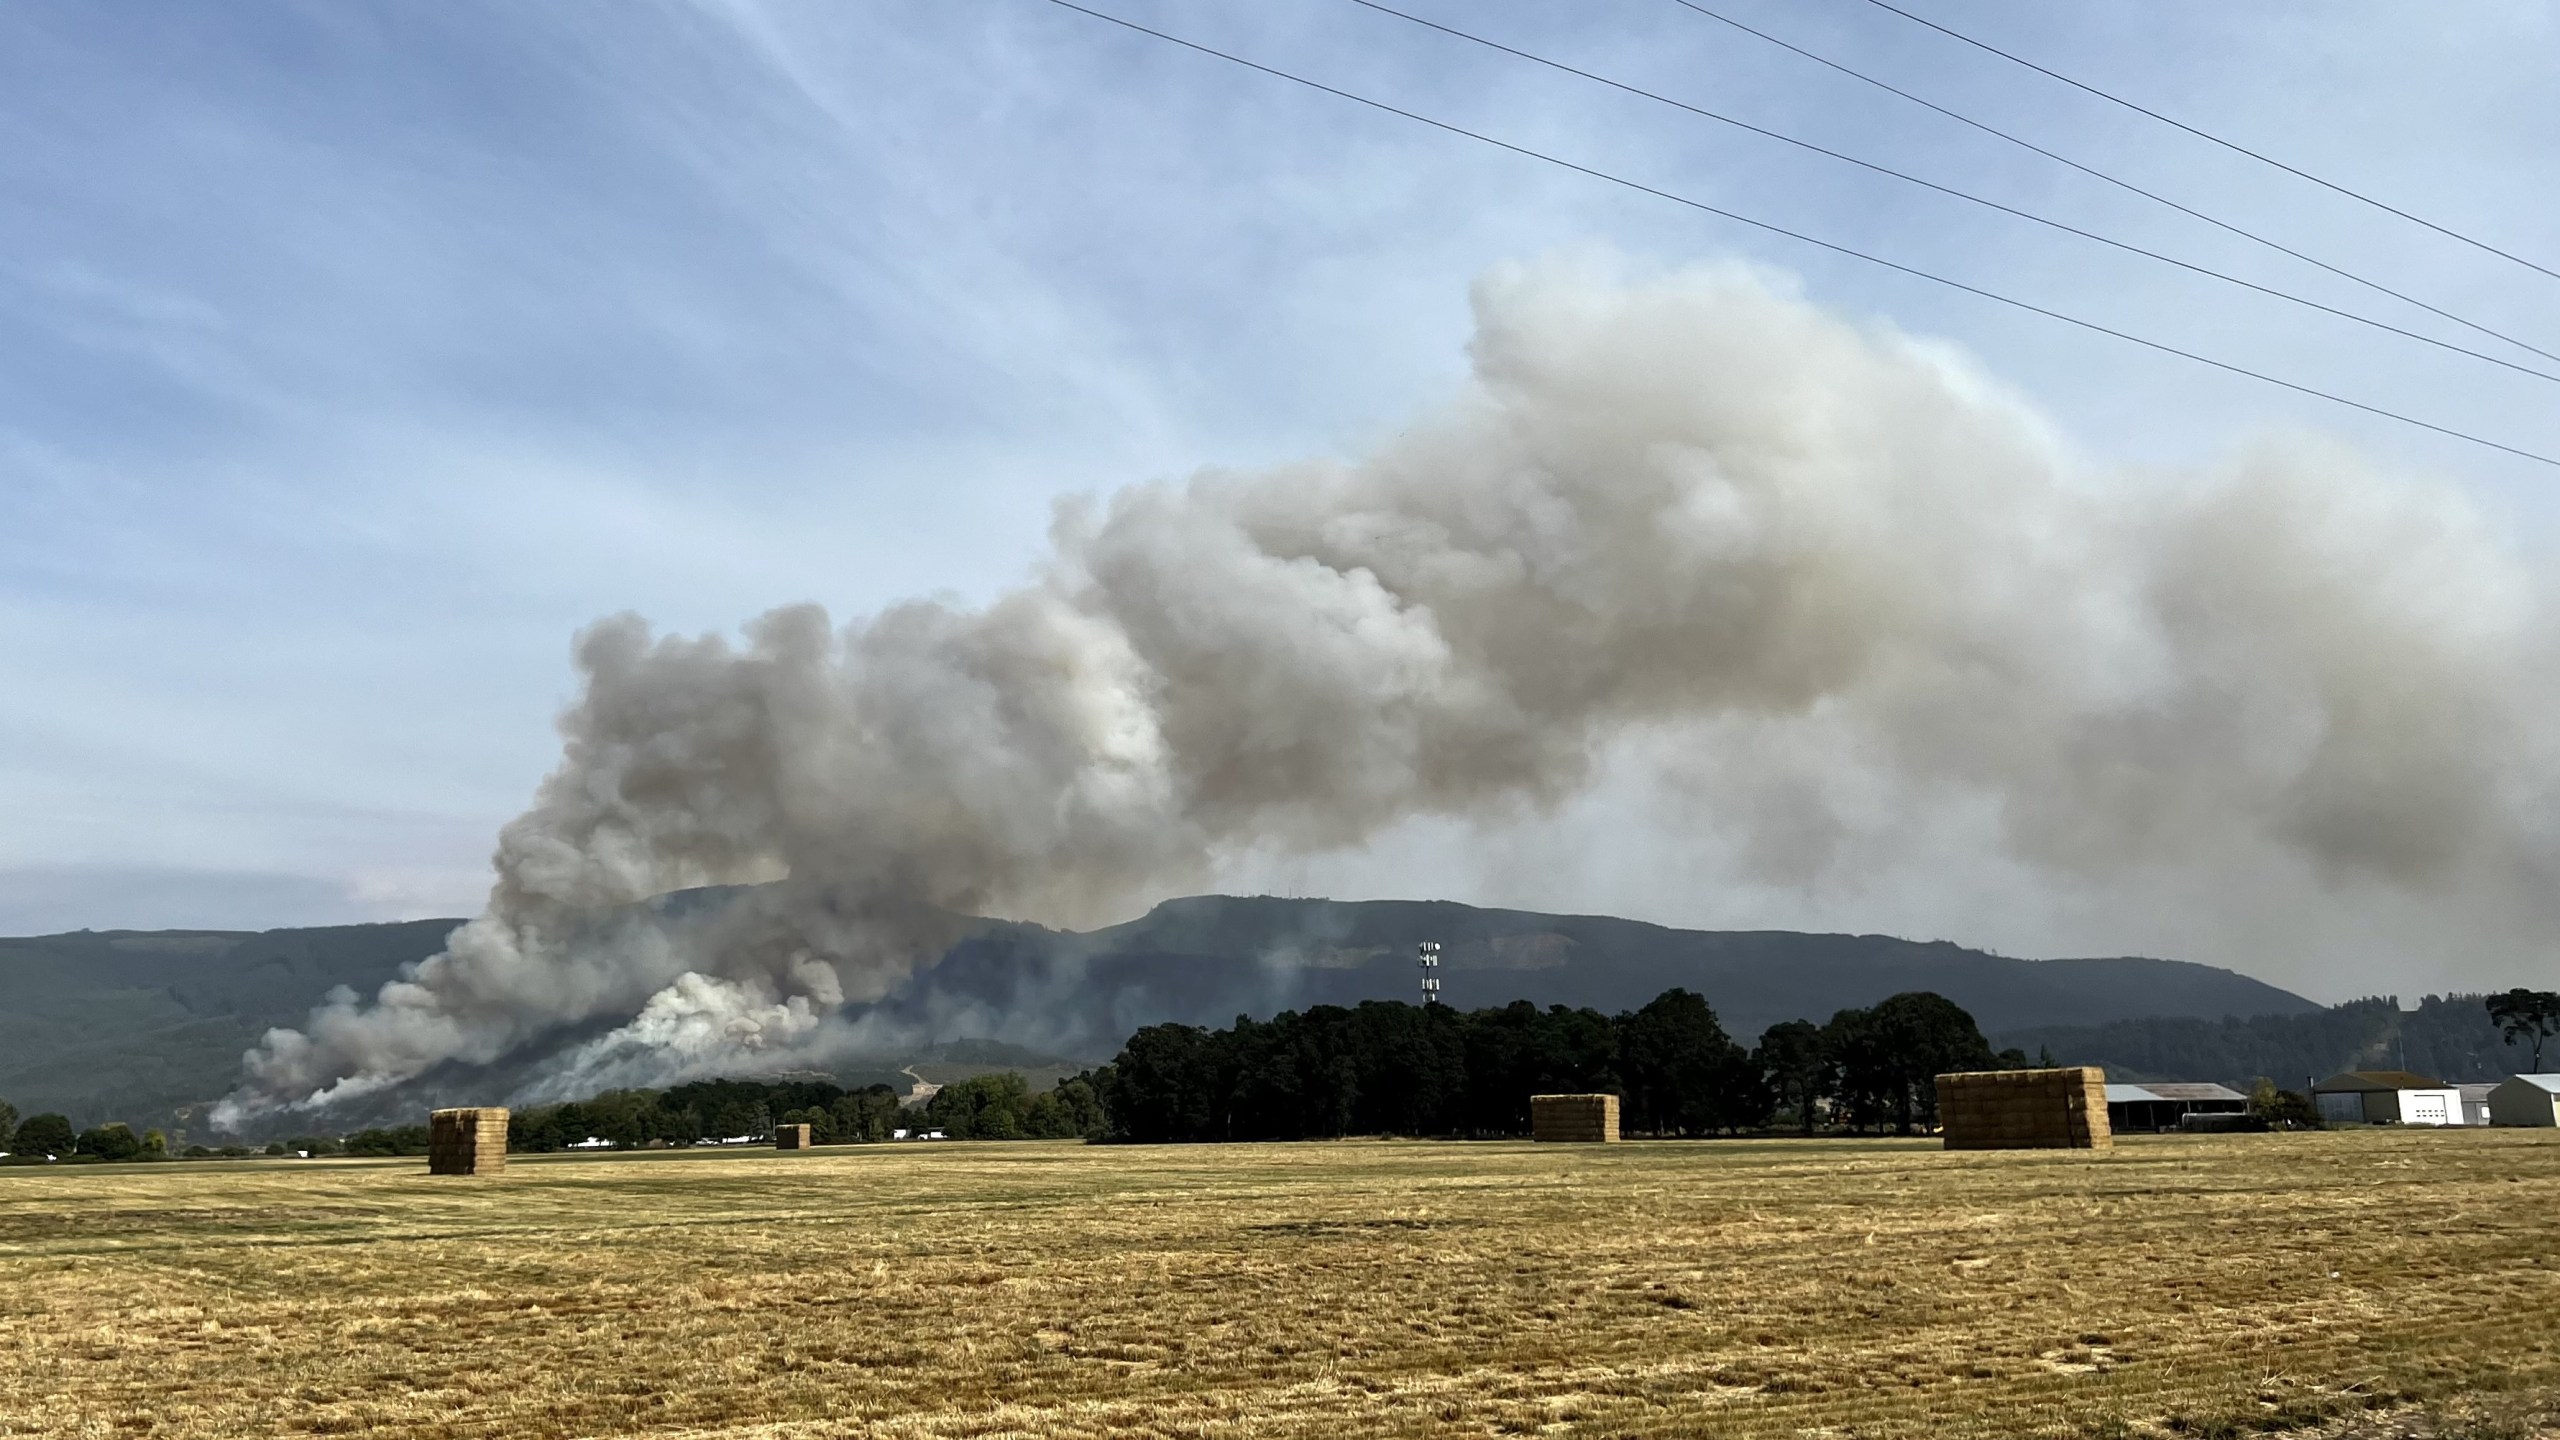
(2204, 1286)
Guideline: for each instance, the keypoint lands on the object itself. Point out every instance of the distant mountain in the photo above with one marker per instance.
(1207, 959)
(2449, 1037)
(124, 1024)
(131, 1025)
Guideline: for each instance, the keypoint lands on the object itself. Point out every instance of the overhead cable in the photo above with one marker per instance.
(2117, 181)
(1951, 191)
(1895, 265)
(2216, 139)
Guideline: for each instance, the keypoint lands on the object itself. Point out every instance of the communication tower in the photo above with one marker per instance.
(1428, 952)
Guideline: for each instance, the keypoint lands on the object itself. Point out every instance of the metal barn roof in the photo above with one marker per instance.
(2171, 1090)
(2539, 1082)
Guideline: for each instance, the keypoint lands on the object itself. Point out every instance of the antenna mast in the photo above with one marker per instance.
(1428, 952)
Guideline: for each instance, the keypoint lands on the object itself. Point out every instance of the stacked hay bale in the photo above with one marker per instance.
(470, 1141)
(1574, 1119)
(2063, 1109)
(792, 1137)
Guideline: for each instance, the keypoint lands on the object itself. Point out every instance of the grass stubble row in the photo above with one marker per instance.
(1735, 1288)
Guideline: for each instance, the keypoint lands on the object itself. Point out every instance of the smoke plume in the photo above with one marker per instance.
(1826, 577)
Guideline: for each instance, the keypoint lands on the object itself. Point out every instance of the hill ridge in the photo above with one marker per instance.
(94, 1024)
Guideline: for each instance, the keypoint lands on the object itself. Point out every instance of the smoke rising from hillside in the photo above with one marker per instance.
(1696, 517)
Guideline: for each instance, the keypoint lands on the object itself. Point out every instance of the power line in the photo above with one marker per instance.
(1964, 195)
(2120, 183)
(2216, 139)
(1699, 205)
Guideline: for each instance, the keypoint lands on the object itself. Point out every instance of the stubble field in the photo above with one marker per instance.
(2197, 1285)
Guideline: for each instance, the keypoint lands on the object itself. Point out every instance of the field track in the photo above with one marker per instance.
(1878, 1288)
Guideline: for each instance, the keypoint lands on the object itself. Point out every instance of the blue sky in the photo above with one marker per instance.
(351, 357)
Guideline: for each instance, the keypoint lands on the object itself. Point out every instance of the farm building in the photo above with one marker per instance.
(2161, 1106)
(2387, 1097)
(2526, 1100)
(2475, 1102)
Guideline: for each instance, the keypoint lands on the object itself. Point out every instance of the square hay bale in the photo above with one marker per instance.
(2062, 1109)
(1574, 1119)
(792, 1137)
(470, 1141)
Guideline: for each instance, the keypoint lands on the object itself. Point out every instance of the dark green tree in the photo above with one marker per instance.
(1891, 1055)
(112, 1141)
(628, 1118)
(1678, 1066)
(8, 1120)
(865, 1116)
(1070, 1110)
(1929, 1035)
(2527, 1017)
(725, 1109)
(1165, 1087)
(536, 1129)
(1518, 1050)
(394, 1140)
(820, 1120)
(2283, 1109)
(982, 1107)
(1798, 1068)
(43, 1135)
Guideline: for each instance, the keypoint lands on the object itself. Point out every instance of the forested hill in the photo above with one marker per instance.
(2448, 1036)
(130, 1024)
(1207, 959)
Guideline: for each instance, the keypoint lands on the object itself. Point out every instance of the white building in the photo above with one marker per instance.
(2387, 1097)
(2475, 1103)
(2526, 1100)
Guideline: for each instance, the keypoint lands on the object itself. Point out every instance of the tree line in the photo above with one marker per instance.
(39, 1138)
(1383, 1067)
(1380, 1068)
(998, 1106)
(1389, 1068)
(2452, 1037)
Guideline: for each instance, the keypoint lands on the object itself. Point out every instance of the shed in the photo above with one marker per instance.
(2164, 1105)
(2526, 1100)
(2387, 1097)
(2475, 1102)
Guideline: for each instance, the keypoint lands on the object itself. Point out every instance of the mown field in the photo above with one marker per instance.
(2180, 1285)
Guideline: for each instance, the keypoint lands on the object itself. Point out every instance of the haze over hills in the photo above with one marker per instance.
(136, 1024)
(1206, 959)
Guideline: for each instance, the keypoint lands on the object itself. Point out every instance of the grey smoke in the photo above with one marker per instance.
(1820, 581)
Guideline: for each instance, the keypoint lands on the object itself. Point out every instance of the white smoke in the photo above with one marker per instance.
(1828, 578)
(696, 1028)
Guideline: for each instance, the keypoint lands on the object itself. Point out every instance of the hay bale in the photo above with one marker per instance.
(467, 1141)
(792, 1137)
(1574, 1119)
(2059, 1109)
